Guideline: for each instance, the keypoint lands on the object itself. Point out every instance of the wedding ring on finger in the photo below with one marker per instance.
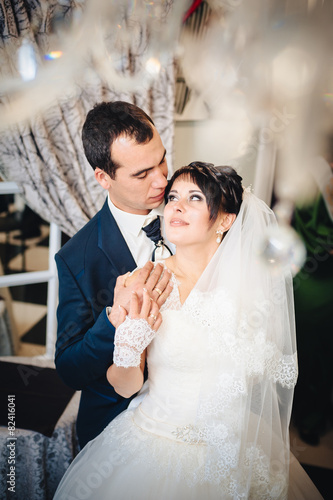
(151, 315)
(158, 291)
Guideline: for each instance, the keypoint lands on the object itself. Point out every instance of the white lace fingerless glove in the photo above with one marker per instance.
(130, 340)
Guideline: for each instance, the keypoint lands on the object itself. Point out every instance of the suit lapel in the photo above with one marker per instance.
(112, 243)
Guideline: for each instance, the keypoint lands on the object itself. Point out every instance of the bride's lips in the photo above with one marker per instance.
(177, 222)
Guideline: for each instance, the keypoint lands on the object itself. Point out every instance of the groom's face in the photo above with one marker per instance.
(141, 178)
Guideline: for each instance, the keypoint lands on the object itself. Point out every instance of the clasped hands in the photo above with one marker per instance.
(136, 311)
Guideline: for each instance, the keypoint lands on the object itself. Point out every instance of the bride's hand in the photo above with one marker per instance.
(136, 332)
(147, 277)
(146, 309)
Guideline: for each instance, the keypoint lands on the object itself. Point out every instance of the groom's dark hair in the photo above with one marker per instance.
(105, 123)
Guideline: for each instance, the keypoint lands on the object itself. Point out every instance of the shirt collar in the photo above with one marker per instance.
(132, 222)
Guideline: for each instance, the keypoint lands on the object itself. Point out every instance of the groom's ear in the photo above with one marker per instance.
(102, 178)
(227, 221)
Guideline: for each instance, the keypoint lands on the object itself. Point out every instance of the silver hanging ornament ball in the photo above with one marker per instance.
(283, 250)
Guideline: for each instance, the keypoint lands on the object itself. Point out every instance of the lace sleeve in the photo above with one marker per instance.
(131, 339)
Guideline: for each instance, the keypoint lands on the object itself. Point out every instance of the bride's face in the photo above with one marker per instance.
(186, 215)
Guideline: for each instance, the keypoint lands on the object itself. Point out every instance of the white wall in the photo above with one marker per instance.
(210, 141)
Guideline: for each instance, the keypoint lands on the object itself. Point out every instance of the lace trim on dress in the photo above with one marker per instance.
(246, 343)
(173, 301)
(198, 464)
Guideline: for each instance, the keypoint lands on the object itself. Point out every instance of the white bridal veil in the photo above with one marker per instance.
(245, 309)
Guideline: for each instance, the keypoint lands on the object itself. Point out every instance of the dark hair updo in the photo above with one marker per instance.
(222, 186)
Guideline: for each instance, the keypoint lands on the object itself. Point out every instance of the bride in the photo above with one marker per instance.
(212, 420)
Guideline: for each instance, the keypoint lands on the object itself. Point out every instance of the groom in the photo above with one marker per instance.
(125, 150)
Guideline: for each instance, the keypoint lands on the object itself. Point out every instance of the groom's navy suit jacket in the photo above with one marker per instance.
(88, 266)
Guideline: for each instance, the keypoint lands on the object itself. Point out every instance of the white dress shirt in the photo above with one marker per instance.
(130, 225)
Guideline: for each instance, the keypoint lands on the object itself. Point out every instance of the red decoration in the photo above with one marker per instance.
(190, 11)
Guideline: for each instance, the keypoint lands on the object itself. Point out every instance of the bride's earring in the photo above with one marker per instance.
(219, 236)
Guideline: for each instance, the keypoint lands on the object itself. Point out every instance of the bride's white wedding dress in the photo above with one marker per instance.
(159, 449)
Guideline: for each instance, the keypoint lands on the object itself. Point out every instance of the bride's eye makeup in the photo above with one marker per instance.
(196, 197)
(193, 196)
(171, 197)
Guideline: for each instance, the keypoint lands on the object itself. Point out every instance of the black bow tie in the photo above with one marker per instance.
(153, 231)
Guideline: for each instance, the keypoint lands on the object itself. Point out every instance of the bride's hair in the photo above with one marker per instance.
(221, 185)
